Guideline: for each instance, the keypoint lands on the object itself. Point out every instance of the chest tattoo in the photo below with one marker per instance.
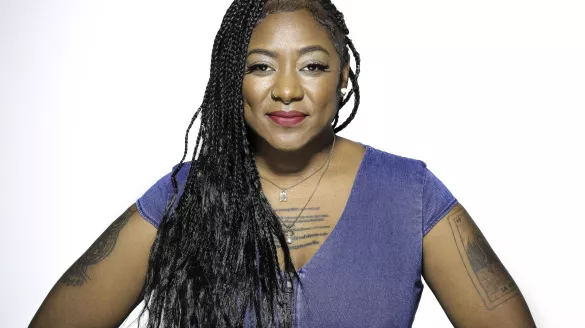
(307, 228)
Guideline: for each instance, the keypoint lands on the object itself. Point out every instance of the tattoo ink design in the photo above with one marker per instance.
(311, 228)
(311, 235)
(292, 218)
(296, 209)
(289, 219)
(314, 242)
(76, 275)
(491, 279)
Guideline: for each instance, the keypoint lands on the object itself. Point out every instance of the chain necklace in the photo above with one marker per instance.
(283, 190)
(289, 233)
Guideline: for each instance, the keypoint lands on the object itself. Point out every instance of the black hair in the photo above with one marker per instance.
(214, 255)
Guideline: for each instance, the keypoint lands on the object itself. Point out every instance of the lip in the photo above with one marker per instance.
(287, 114)
(287, 121)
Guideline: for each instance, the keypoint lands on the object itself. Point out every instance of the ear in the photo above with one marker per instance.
(344, 76)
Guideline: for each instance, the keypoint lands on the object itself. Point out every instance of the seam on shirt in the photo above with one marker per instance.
(441, 215)
(422, 200)
(421, 220)
(144, 214)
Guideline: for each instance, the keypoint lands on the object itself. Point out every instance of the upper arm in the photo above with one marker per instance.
(103, 286)
(470, 282)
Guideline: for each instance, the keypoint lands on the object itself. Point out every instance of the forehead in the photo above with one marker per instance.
(290, 30)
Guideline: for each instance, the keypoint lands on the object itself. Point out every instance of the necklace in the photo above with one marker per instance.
(283, 190)
(289, 233)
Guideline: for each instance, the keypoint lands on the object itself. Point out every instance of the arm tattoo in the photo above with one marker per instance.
(491, 279)
(76, 275)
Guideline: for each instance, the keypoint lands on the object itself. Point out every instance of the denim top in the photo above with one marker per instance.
(367, 272)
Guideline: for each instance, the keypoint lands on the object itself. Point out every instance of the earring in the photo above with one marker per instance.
(343, 91)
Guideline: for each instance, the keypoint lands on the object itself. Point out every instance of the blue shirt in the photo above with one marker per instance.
(367, 272)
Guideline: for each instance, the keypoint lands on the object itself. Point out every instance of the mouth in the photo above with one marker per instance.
(288, 118)
(287, 114)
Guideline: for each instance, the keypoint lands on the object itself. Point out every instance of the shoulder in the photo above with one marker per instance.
(183, 170)
(386, 169)
(386, 161)
(356, 147)
(180, 171)
(153, 202)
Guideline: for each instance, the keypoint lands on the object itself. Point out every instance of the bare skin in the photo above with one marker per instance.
(467, 277)
(103, 286)
(77, 275)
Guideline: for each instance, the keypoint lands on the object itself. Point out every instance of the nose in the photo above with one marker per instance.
(287, 87)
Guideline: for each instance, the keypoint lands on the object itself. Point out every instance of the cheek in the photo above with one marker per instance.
(254, 93)
(323, 93)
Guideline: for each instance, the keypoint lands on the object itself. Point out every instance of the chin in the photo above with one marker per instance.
(288, 143)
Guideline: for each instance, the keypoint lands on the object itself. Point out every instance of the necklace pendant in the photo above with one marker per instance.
(283, 196)
(288, 236)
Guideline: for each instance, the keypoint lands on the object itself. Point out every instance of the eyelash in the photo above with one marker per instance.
(319, 67)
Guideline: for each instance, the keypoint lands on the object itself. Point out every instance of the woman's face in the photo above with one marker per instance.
(291, 65)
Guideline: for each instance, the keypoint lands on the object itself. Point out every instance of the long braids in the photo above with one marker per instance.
(214, 255)
(353, 76)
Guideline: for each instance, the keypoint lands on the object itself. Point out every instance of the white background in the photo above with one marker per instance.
(95, 98)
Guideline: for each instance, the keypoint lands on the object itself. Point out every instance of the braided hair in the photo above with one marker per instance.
(214, 257)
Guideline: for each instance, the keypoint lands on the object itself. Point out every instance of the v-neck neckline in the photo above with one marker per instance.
(342, 218)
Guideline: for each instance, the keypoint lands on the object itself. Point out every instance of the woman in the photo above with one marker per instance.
(279, 221)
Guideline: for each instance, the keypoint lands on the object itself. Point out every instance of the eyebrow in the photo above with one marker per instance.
(300, 52)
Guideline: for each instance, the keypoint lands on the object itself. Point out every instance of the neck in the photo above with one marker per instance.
(273, 162)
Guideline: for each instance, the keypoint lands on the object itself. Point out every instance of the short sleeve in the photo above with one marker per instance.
(437, 200)
(153, 203)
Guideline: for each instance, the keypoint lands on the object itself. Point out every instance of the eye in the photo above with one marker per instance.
(261, 68)
(316, 67)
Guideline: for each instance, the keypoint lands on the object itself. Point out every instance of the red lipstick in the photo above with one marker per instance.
(288, 118)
